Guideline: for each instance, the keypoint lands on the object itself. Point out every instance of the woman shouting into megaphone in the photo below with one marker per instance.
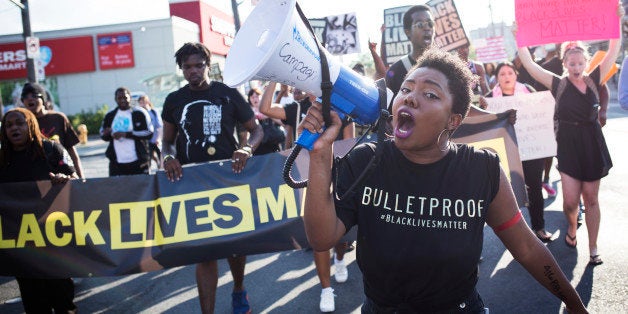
(421, 212)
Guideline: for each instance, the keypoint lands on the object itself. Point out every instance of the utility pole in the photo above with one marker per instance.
(27, 32)
(236, 15)
(490, 8)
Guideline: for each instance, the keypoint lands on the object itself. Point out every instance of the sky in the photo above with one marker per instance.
(62, 14)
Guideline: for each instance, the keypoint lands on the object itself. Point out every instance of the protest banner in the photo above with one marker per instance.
(130, 224)
(394, 39)
(448, 29)
(493, 132)
(542, 22)
(535, 122)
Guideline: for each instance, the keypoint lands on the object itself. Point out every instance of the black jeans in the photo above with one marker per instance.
(136, 167)
(533, 175)
(471, 304)
(44, 295)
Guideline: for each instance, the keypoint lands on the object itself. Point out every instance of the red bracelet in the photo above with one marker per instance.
(514, 220)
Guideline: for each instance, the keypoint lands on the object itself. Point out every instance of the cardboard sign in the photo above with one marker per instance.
(535, 122)
(542, 22)
(490, 49)
(449, 33)
(394, 39)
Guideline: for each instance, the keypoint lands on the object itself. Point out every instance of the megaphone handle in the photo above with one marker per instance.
(307, 139)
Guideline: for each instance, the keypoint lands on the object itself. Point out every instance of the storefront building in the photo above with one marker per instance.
(82, 67)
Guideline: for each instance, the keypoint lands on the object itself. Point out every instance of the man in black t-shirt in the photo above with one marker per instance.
(418, 24)
(199, 123)
(55, 126)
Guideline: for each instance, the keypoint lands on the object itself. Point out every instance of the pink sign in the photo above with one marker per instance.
(552, 21)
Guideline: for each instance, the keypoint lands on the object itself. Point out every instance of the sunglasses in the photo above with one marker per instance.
(423, 24)
(33, 96)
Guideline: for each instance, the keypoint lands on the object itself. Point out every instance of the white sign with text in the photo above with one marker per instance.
(535, 122)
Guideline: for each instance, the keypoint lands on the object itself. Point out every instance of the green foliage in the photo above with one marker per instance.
(92, 119)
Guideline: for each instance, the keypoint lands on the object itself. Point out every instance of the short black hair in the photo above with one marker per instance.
(407, 17)
(35, 89)
(459, 77)
(189, 49)
(122, 89)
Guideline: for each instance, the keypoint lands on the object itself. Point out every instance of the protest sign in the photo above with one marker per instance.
(394, 39)
(318, 26)
(535, 122)
(341, 34)
(541, 21)
(449, 33)
(490, 49)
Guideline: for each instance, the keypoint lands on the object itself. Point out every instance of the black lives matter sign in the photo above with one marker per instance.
(449, 33)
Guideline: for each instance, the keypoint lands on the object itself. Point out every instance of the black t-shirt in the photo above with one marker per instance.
(396, 73)
(294, 115)
(420, 227)
(573, 105)
(22, 165)
(55, 126)
(206, 121)
(292, 109)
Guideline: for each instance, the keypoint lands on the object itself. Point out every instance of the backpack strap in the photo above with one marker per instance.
(594, 87)
(406, 62)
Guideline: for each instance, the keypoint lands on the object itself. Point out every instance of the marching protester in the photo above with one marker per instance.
(155, 119)
(622, 88)
(199, 123)
(128, 130)
(481, 86)
(291, 115)
(418, 25)
(507, 85)
(53, 125)
(443, 194)
(582, 155)
(274, 133)
(26, 155)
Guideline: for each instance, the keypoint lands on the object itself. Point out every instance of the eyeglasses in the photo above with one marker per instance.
(423, 24)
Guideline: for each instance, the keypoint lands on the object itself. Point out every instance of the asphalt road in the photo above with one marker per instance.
(286, 282)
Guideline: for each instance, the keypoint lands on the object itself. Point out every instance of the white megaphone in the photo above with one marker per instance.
(275, 45)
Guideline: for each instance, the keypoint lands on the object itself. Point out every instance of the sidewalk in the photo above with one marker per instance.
(94, 147)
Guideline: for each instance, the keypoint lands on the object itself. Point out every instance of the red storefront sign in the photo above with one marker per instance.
(115, 51)
(58, 56)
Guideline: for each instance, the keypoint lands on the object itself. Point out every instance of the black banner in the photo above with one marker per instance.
(130, 224)
(493, 132)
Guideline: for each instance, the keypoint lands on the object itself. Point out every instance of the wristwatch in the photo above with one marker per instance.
(248, 149)
(168, 158)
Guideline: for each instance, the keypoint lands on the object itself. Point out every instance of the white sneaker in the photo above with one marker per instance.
(342, 273)
(327, 300)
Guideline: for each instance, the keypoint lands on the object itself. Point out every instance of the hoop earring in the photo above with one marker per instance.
(447, 143)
